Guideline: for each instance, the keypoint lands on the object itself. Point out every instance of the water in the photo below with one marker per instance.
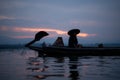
(23, 64)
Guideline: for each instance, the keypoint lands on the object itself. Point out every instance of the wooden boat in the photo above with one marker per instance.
(85, 51)
(66, 51)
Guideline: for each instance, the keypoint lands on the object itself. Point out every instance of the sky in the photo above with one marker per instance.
(98, 20)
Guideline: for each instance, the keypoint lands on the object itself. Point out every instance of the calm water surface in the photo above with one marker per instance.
(23, 64)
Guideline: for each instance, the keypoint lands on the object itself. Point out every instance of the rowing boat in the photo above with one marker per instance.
(85, 51)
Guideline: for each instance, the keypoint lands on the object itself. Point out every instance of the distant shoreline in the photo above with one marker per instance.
(10, 46)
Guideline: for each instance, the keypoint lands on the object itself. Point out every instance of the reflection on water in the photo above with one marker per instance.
(23, 64)
(75, 68)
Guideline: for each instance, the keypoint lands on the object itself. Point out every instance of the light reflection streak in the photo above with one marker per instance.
(39, 29)
(59, 32)
(53, 32)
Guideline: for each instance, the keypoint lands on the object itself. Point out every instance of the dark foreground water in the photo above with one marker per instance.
(23, 64)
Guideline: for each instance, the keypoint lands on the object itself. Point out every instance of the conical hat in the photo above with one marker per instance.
(73, 31)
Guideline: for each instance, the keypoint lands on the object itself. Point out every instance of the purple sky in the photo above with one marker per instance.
(98, 20)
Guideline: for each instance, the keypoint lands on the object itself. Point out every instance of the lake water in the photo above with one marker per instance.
(23, 64)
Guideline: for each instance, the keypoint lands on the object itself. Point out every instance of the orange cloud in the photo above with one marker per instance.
(59, 32)
(39, 29)
(85, 35)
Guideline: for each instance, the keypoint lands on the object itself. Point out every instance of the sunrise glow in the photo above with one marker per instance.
(98, 21)
(35, 30)
(39, 29)
(59, 32)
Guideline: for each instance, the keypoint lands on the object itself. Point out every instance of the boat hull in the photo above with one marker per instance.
(65, 51)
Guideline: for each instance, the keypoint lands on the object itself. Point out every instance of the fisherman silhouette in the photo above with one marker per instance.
(73, 42)
(38, 36)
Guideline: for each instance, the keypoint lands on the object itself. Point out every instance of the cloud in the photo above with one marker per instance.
(27, 31)
(57, 31)
(18, 29)
(6, 17)
(85, 35)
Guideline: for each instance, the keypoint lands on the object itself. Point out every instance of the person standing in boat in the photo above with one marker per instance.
(73, 42)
